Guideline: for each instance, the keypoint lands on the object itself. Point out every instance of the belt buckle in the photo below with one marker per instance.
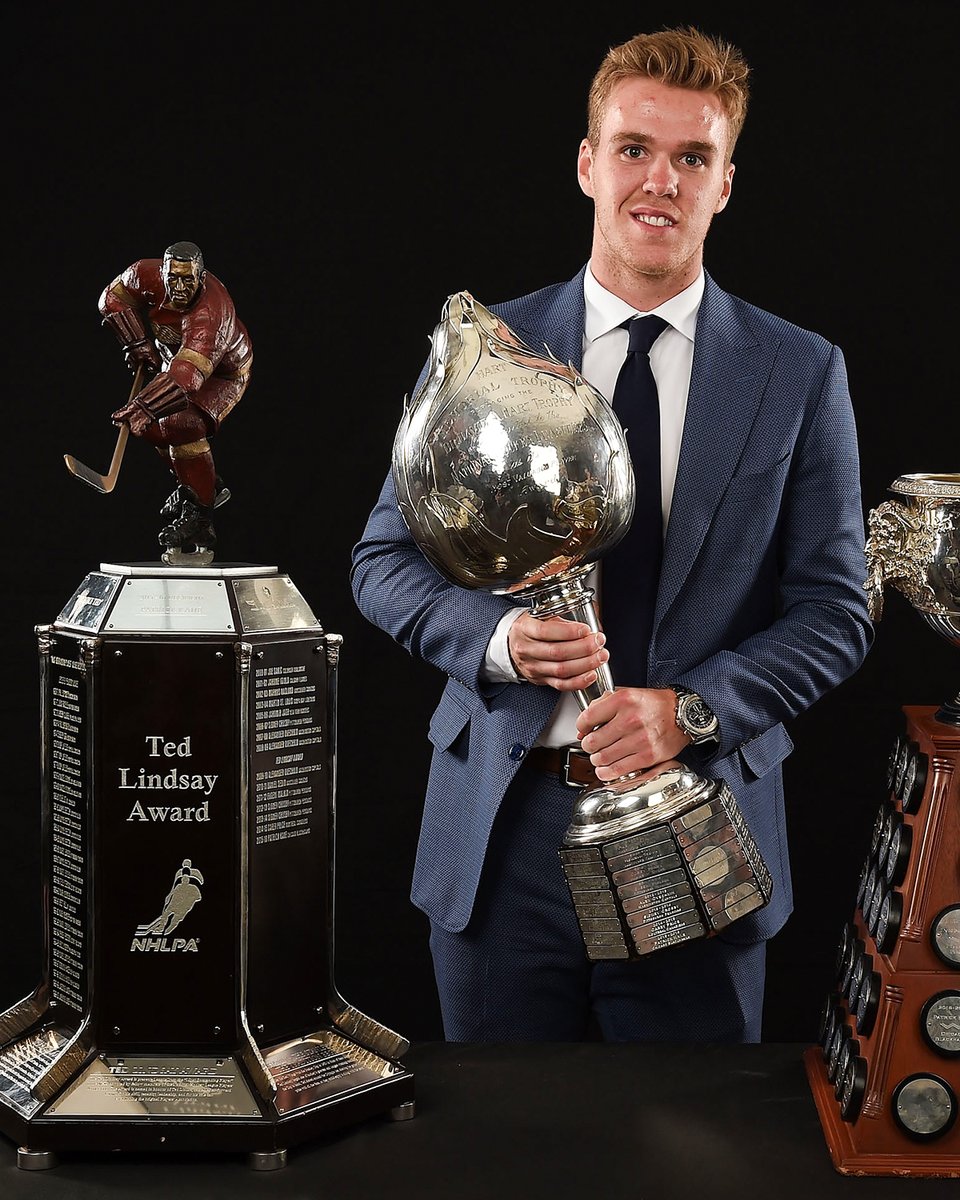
(565, 769)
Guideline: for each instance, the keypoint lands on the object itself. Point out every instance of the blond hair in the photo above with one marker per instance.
(682, 57)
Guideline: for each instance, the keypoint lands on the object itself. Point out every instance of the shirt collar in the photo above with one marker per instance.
(605, 311)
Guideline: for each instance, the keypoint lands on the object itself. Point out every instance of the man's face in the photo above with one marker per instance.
(182, 281)
(657, 176)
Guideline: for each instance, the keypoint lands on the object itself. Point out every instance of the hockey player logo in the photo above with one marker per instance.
(180, 900)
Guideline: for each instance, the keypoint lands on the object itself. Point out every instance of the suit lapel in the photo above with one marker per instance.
(730, 371)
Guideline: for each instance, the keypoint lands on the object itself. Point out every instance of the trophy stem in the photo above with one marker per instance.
(949, 712)
(568, 596)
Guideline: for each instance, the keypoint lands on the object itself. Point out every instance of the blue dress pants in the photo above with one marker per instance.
(519, 971)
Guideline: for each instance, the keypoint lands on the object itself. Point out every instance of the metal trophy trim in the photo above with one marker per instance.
(513, 475)
(913, 543)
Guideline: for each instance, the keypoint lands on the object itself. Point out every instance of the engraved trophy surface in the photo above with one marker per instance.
(513, 475)
(188, 749)
(913, 544)
(187, 1000)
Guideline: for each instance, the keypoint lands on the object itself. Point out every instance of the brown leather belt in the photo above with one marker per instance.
(570, 764)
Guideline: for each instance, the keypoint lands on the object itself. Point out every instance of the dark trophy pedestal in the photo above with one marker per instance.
(886, 1076)
(187, 999)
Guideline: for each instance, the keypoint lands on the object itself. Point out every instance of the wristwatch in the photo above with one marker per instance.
(695, 717)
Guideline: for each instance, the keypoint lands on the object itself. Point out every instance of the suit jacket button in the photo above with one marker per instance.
(517, 751)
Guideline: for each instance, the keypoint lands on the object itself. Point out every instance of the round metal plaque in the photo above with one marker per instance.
(888, 925)
(893, 761)
(840, 1034)
(847, 938)
(853, 1088)
(886, 835)
(830, 1018)
(940, 1023)
(924, 1106)
(873, 914)
(850, 1049)
(857, 947)
(879, 823)
(867, 1002)
(945, 935)
(898, 854)
(906, 753)
(914, 781)
(873, 880)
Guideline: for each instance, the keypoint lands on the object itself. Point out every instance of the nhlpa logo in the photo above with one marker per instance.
(181, 898)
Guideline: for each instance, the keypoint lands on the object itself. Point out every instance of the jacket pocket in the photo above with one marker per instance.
(448, 722)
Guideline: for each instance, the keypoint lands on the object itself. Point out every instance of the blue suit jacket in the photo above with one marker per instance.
(760, 609)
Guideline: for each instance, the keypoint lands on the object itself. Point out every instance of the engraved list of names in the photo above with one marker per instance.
(287, 761)
(67, 831)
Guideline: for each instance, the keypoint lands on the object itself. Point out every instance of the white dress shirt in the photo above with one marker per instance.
(604, 349)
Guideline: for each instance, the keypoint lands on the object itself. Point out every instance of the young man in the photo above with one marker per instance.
(757, 607)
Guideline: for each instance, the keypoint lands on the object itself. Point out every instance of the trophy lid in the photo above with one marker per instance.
(637, 802)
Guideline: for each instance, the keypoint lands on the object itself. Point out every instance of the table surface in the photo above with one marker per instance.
(590, 1120)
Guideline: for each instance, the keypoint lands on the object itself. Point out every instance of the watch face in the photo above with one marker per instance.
(945, 935)
(924, 1106)
(695, 717)
(940, 1023)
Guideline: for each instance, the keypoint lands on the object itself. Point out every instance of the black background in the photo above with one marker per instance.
(343, 175)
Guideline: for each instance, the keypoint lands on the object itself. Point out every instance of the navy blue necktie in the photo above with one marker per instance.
(631, 570)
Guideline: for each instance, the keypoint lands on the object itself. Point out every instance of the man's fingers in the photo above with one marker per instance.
(555, 629)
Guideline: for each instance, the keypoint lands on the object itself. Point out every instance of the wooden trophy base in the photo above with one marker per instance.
(844, 1153)
(886, 1075)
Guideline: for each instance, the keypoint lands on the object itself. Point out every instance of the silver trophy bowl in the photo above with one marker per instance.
(913, 544)
(513, 475)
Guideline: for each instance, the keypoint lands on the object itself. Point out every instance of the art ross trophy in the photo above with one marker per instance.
(513, 475)
(188, 747)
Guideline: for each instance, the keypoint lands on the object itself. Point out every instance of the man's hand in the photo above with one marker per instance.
(561, 654)
(631, 729)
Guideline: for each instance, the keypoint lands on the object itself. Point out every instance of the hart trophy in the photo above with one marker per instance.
(188, 746)
(913, 543)
(513, 475)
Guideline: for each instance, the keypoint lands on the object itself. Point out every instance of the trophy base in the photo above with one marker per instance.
(850, 1159)
(183, 1102)
(188, 726)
